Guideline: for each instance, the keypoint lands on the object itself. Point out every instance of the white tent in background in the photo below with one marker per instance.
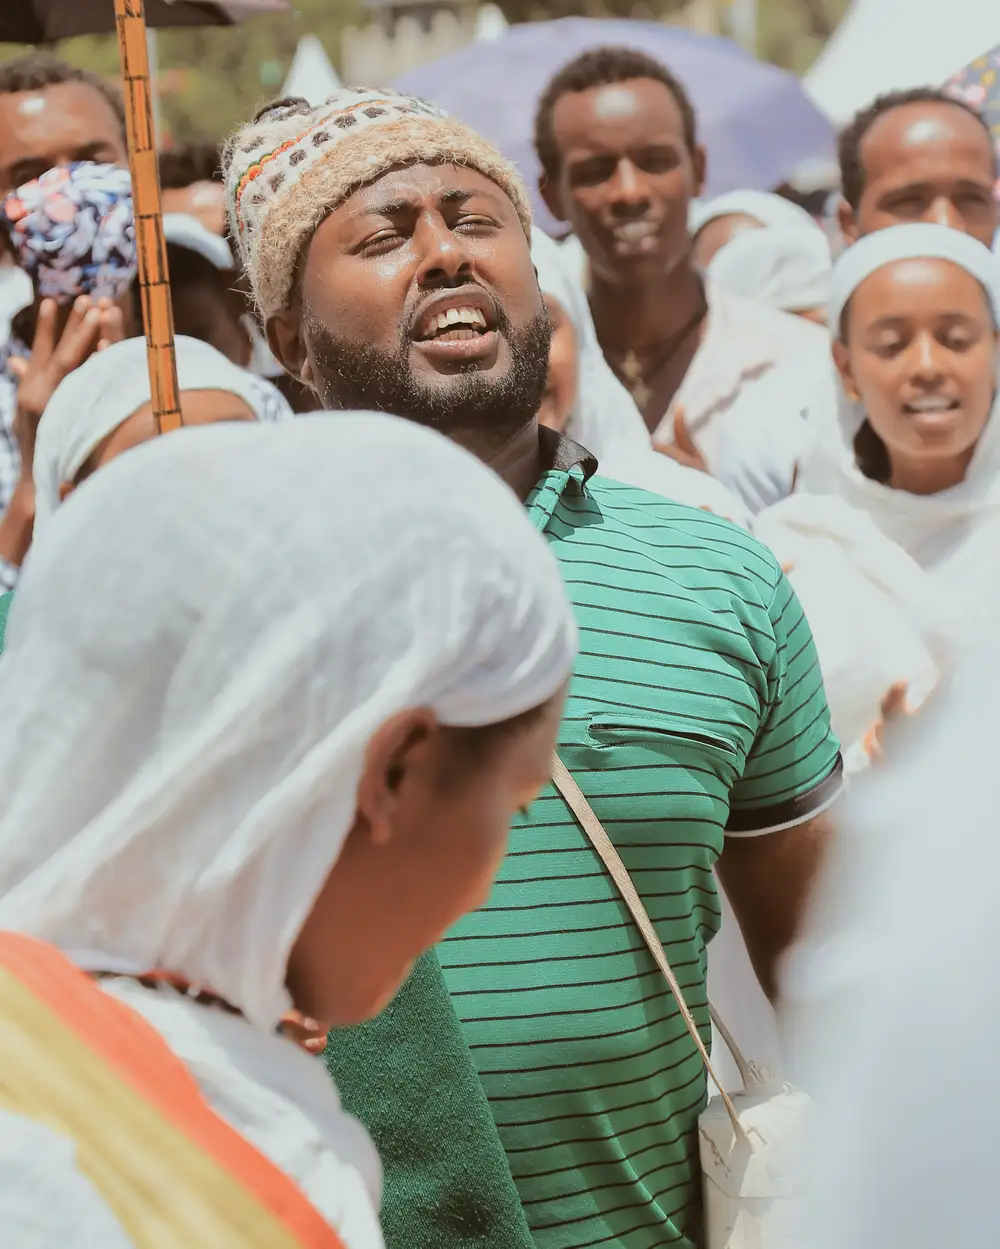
(889, 45)
(311, 76)
(490, 24)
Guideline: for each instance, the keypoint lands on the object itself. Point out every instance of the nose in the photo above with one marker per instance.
(444, 258)
(942, 212)
(928, 367)
(630, 194)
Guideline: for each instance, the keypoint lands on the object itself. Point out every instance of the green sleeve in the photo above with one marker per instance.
(793, 770)
(409, 1077)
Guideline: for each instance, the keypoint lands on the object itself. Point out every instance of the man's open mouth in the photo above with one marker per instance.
(455, 325)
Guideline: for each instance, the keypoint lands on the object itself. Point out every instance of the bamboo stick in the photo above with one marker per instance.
(154, 283)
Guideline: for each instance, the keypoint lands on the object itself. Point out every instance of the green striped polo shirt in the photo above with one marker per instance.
(696, 711)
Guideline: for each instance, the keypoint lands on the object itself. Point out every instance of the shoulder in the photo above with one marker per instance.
(668, 537)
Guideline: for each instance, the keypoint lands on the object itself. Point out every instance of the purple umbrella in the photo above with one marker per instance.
(755, 120)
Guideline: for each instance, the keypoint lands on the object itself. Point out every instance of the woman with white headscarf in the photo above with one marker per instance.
(587, 402)
(788, 269)
(105, 407)
(896, 504)
(716, 222)
(217, 803)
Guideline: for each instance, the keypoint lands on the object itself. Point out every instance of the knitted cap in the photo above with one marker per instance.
(291, 166)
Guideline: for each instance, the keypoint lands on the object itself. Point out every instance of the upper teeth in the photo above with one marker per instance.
(456, 316)
(933, 403)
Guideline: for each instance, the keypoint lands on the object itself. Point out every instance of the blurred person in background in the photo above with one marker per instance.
(53, 115)
(215, 808)
(788, 269)
(895, 515)
(104, 408)
(720, 220)
(910, 156)
(616, 137)
(387, 246)
(191, 183)
(584, 399)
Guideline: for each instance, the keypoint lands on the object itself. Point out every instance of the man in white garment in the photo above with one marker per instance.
(617, 139)
(910, 156)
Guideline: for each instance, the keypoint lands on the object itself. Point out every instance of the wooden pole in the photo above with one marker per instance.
(154, 283)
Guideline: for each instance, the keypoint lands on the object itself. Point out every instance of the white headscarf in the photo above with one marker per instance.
(890, 580)
(102, 394)
(605, 418)
(763, 206)
(178, 769)
(788, 269)
(928, 527)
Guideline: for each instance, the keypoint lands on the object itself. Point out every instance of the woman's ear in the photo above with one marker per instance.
(397, 756)
(65, 490)
(842, 359)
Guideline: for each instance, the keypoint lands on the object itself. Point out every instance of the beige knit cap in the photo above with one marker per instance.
(291, 166)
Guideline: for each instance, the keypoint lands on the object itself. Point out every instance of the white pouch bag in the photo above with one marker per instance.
(753, 1144)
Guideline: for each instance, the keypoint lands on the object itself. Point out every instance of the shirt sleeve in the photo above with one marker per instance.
(794, 770)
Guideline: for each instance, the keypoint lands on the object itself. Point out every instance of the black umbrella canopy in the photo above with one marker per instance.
(46, 21)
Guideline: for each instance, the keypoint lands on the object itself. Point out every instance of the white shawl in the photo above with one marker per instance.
(890, 580)
(183, 735)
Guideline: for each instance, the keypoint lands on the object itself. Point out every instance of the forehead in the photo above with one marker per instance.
(917, 285)
(919, 138)
(617, 114)
(38, 124)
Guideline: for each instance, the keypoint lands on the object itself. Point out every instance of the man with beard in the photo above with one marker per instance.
(387, 247)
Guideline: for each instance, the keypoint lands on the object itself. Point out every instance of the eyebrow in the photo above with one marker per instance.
(394, 207)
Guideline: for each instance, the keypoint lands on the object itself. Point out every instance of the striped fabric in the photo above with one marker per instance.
(697, 711)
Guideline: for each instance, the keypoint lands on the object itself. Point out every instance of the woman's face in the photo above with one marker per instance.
(921, 352)
(563, 378)
(713, 237)
(431, 830)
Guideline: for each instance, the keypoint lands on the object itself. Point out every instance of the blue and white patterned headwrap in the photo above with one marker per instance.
(73, 231)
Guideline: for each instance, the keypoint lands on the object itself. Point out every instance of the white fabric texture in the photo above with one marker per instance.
(763, 206)
(279, 1098)
(175, 782)
(894, 995)
(605, 418)
(890, 581)
(183, 230)
(909, 242)
(788, 269)
(102, 394)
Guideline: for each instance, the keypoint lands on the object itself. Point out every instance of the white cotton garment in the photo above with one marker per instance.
(893, 995)
(92, 401)
(605, 418)
(891, 582)
(788, 269)
(762, 206)
(178, 770)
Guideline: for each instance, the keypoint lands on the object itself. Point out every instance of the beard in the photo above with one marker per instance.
(489, 409)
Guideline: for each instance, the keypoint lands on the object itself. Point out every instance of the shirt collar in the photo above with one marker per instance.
(560, 454)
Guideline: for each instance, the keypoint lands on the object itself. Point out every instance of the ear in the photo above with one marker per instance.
(551, 193)
(65, 490)
(288, 344)
(396, 758)
(842, 359)
(699, 163)
(847, 221)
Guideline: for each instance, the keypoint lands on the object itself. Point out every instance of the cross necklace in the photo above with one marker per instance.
(634, 374)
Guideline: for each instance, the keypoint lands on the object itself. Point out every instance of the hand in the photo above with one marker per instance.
(89, 328)
(682, 449)
(308, 1033)
(894, 708)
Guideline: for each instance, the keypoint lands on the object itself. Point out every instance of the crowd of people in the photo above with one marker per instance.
(688, 498)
